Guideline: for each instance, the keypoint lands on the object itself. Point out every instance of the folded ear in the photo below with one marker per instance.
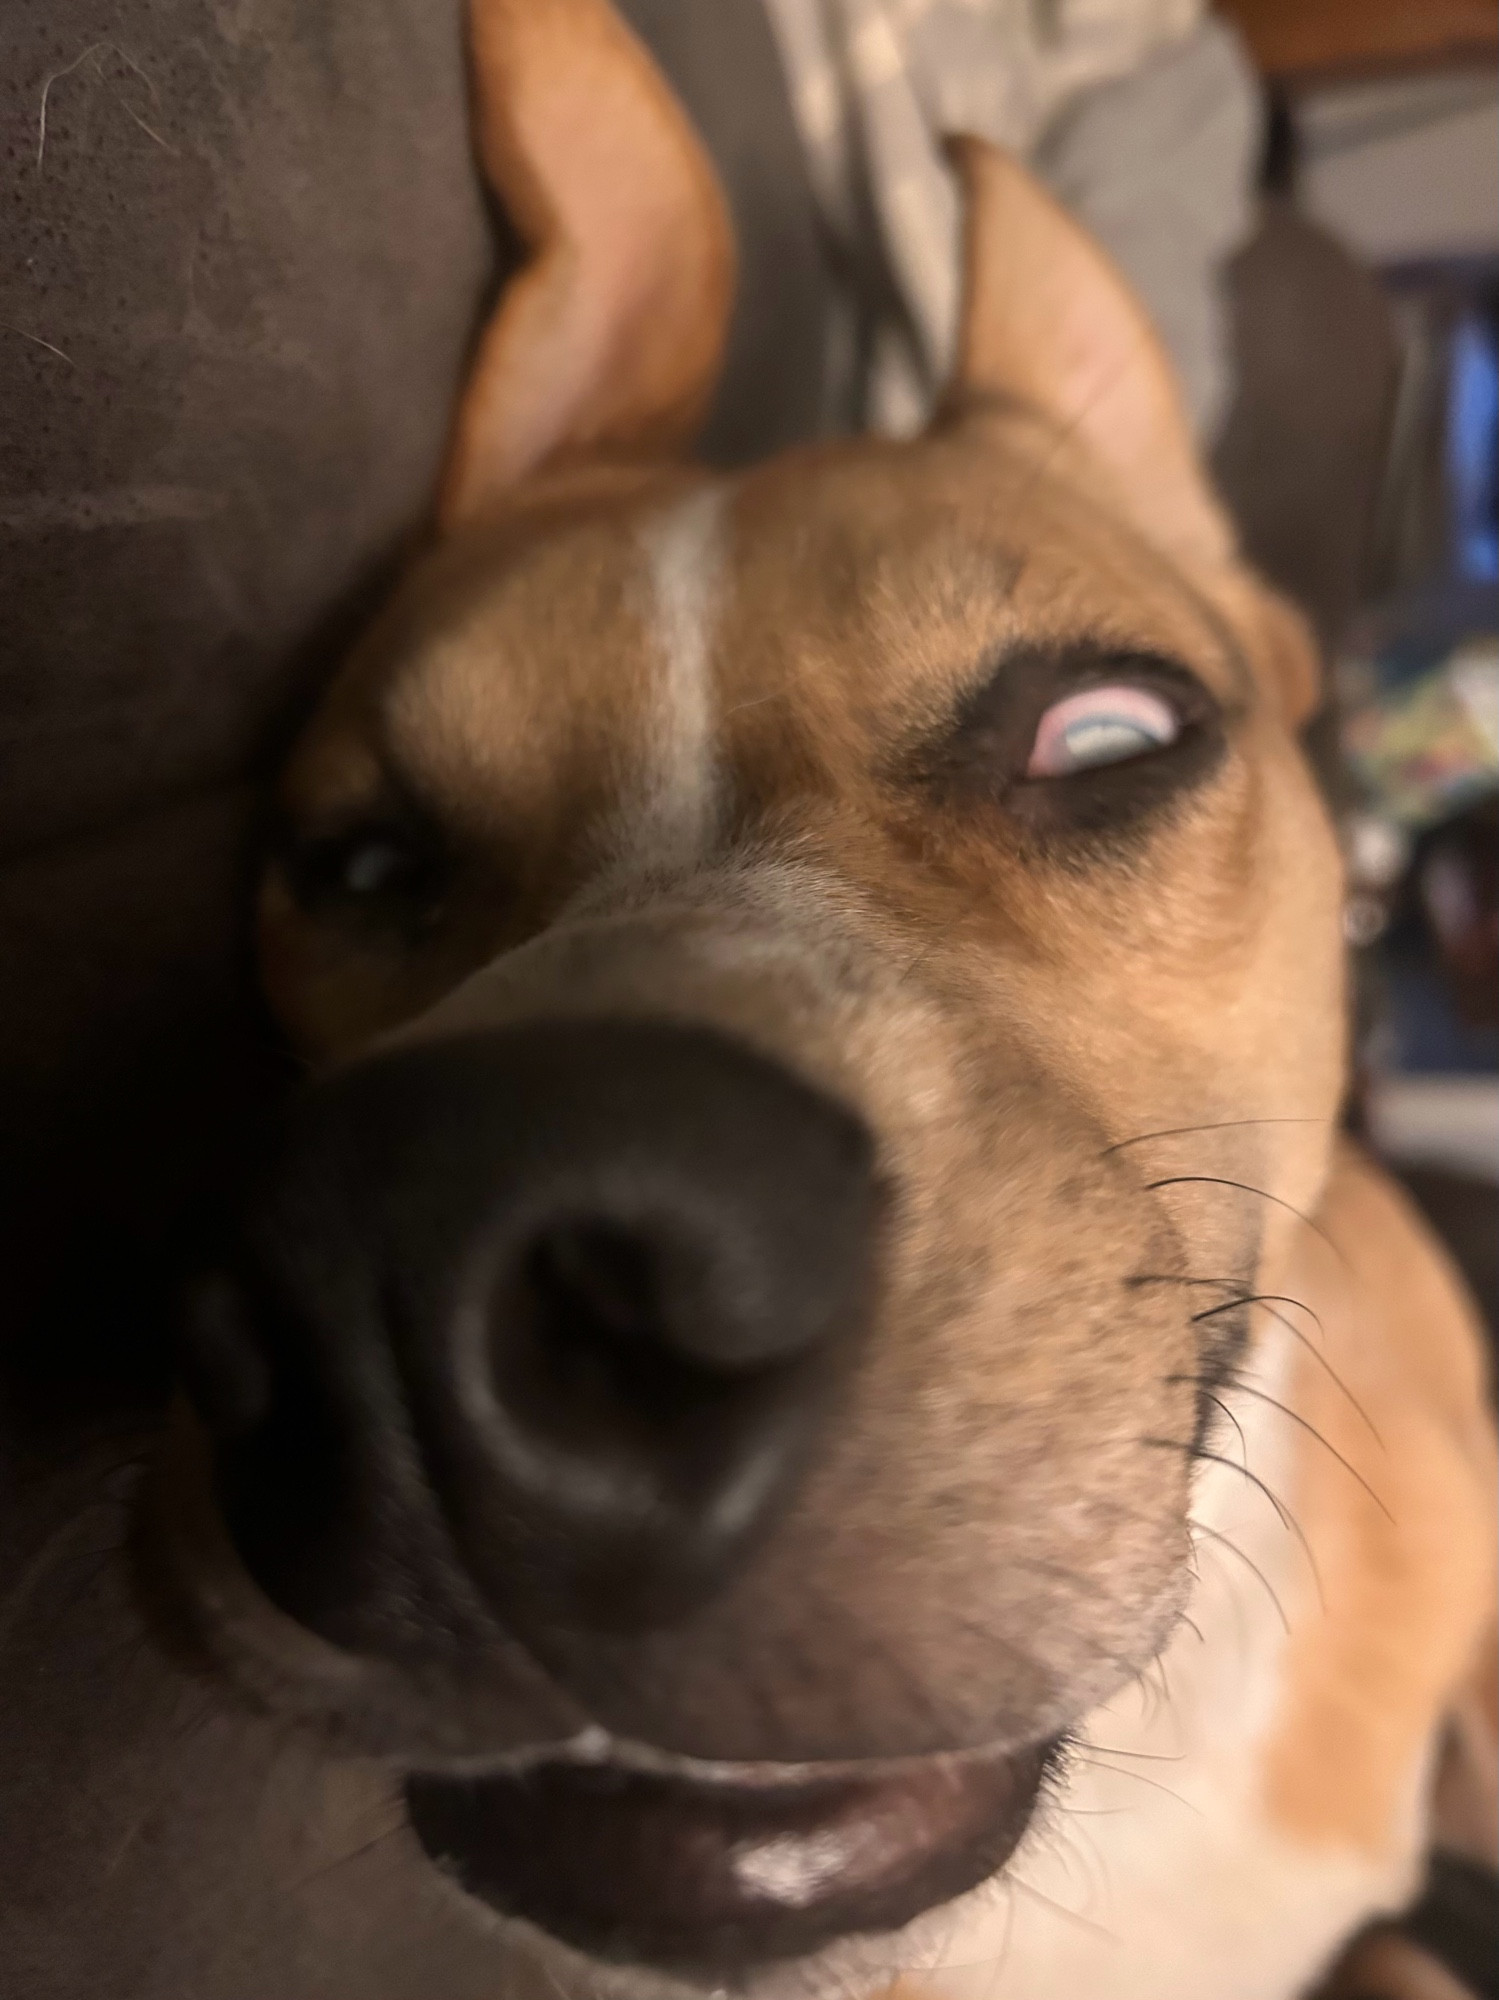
(1049, 321)
(607, 341)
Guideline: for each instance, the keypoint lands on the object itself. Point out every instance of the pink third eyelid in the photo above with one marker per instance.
(1116, 702)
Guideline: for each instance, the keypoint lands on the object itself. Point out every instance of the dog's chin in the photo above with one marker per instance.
(706, 1874)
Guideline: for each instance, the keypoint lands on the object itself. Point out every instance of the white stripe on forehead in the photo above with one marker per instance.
(684, 551)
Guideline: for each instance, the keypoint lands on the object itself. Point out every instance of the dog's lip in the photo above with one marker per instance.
(709, 1868)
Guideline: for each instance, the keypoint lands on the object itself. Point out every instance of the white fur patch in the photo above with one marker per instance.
(685, 555)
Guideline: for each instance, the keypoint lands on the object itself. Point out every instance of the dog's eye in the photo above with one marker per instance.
(1100, 725)
(375, 865)
(1074, 742)
(377, 871)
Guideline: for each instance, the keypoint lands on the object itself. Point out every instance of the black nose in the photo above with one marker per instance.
(555, 1308)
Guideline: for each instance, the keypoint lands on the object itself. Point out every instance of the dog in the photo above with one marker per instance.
(811, 1370)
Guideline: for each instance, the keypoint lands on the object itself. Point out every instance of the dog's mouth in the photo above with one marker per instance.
(623, 1853)
(707, 1874)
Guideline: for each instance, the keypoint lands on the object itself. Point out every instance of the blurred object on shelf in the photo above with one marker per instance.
(1457, 887)
(1416, 683)
(1428, 959)
(1301, 38)
(1376, 852)
(1473, 446)
(1437, 525)
(1427, 748)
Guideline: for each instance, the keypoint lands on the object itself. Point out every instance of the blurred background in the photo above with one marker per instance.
(1385, 134)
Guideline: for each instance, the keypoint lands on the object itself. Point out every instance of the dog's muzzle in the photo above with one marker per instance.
(522, 1338)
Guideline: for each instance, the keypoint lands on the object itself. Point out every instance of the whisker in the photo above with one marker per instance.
(1287, 1519)
(1140, 1778)
(1270, 1301)
(1266, 1299)
(1072, 1916)
(1256, 1299)
(1201, 1452)
(1153, 1698)
(1201, 1528)
(1246, 1389)
(1076, 1842)
(1138, 1280)
(1142, 1756)
(1218, 1125)
(1206, 1384)
(1245, 1187)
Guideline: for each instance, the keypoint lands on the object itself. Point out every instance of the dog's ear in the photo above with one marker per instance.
(1047, 320)
(607, 341)
(1278, 642)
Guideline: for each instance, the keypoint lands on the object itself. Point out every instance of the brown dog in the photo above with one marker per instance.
(814, 1363)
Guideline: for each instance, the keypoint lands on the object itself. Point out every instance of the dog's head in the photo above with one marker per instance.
(827, 990)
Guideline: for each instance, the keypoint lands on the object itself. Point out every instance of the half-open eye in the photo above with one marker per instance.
(375, 864)
(374, 869)
(1101, 725)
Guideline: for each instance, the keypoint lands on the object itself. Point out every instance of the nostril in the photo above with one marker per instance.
(222, 1362)
(638, 1424)
(586, 1336)
(599, 1290)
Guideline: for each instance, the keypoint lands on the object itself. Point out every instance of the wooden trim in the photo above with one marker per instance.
(1298, 40)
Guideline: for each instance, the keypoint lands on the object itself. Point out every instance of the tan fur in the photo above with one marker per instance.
(1063, 343)
(1405, 1589)
(609, 339)
(1102, 1085)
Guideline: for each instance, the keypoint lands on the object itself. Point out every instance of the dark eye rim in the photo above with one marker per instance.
(978, 761)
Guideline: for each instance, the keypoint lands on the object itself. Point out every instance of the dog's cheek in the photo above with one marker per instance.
(1021, 1375)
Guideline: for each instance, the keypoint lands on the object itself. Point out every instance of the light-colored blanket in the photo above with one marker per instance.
(1141, 114)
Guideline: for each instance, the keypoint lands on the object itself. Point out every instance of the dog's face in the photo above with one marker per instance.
(829, 984)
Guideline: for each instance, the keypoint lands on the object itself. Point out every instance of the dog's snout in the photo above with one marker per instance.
(554, 1308)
